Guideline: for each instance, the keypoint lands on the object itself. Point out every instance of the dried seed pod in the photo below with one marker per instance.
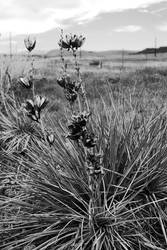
(34, 107)
(50, 138)
(66, 82)
(80, 119)
(71, 42)
(64, 44)
(94, 163)
(74, 137)
(89, 139)
(77, 41)
(26, 82)
(77, 125)
(61, 82)
(75, 132)
(29, 43)
(93, 158)
(70, 95)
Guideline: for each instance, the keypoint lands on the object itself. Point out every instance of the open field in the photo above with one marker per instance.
(112, 62)
(87, 173)
(135, 73)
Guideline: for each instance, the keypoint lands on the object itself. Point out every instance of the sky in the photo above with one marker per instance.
(106, 24)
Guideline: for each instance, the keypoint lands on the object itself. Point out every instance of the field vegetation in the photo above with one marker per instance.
(83, 152)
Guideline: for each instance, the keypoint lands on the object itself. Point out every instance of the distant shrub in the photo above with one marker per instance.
(95, 63)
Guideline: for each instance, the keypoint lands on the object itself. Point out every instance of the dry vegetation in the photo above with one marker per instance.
(83, 154)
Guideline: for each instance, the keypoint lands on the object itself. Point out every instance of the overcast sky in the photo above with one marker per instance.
(107, 24)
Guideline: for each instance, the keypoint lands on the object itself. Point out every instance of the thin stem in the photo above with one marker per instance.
(77, 68)
(31, 72)
(51, 152)
(61, 53)
(78, 76)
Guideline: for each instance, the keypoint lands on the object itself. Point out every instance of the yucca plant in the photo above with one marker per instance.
(128, 211)
(18, 132)
(97, 182)
(21, 123)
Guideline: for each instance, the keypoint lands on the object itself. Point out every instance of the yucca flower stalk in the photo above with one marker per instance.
(30, 44)
(83, 91)
(77, 127)
(77, 42)
(61, 52)
(65, 81)
(73, 42)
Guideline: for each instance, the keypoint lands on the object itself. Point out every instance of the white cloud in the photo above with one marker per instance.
(36, 16)
(159, 10)
(24, 26)
(91, 8)
(128, 28)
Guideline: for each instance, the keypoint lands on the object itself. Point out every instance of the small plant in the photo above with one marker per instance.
(27, 81)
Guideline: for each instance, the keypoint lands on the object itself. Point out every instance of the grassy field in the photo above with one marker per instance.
(83, 169)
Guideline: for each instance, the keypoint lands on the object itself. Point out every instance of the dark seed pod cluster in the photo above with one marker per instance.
(70, 87)
(77, 125)
(77, 130)
(89, 139)
(94, 164)
(80, 119)
(72, 42)
(70, 95)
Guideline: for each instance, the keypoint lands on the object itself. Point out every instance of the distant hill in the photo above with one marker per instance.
(85, 53)
(152, 50)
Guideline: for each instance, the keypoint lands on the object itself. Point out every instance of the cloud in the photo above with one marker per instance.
(36, 16)
(24, 26)
(92, 8)
(159, 10)
(128, 28)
